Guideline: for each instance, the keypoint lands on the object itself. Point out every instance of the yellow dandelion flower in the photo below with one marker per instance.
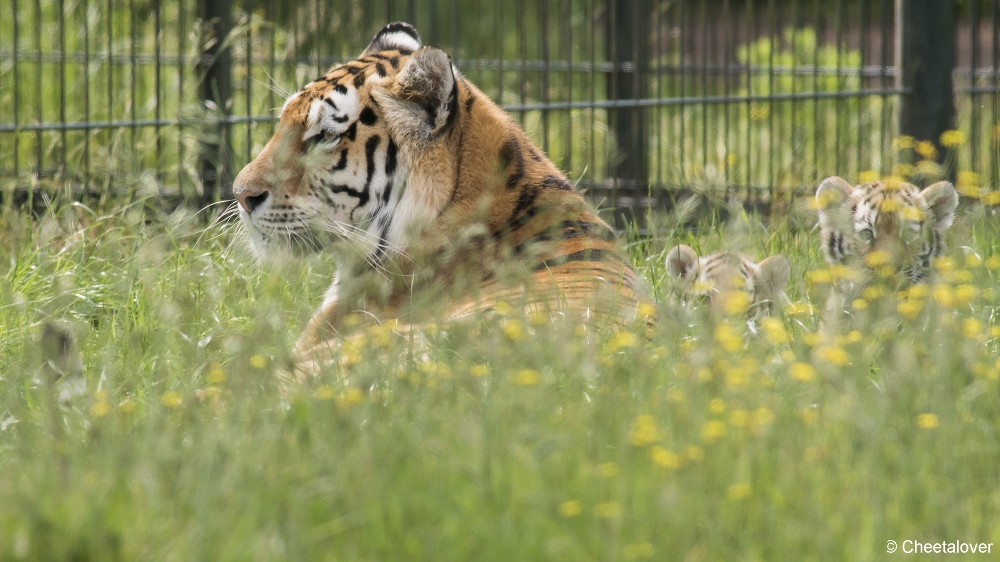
(902, 170)
(644, 431)
(324, 392)
(171, 399)
(972, 260)
(526, 377)
(350, 397)
(919, 292)
(990, 198)
(664, 457)
(893, 182)
(622, 339)
(811, 339)
(607, 470)
(761, 417)
(944, 296)
(775, 331)
(571, 508)
(912, 214)
(736, 302)
(502, 308)
(930, 169)
(740, 491)
(993, 263)
(833, 354)
(859, 304)
(539, 318)
(928, 421)
(739, 418)
(126, 406)
(704, 375)
(873, 292)
(258, 361)
(787, 355)
(971, 328)
(732, 159)
(995, 332)
(926, 149)
(101, 407)
(646, 308)
(854, 336)
(952, 138)
(819, 276)
(717, 406)
(513, 331)
(694, 453)
(903, 142)
(944, 264)
(712, 431)
(890, 206)
(877, 258)
(965, 293)
(639, 550)
(479, 370)
(868, 176)
(216, 374)
(608, 510)
(728, 338)
(802, 371)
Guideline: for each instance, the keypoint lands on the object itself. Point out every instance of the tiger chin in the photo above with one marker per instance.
(880, 234)
(420, 187)
(720, 276)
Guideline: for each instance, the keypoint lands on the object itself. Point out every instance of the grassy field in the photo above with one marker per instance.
(506, 438)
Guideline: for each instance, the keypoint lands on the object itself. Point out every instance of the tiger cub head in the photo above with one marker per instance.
(729, 279)
(348, 146)
(893, 231)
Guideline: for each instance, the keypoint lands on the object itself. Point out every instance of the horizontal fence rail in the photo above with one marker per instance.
(637, 101)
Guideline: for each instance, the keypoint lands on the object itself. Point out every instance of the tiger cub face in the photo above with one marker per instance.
(893, 232)
(721, 276)
(339, 164)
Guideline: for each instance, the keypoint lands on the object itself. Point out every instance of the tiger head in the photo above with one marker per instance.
(729, 278)
(349, 149)
(890, 230)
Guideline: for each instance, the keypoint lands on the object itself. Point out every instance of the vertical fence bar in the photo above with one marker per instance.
(995, 82)
(62, 90)
(925, 53)
(544, 18)
(39, 96)
(17, 98)
(181, 68)
(215, 68)
(973, 94)
(86, 96)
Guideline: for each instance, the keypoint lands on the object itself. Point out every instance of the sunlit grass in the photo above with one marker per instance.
(556, 439)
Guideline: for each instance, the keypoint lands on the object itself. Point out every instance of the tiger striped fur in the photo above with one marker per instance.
(717, 275)
(419, 184)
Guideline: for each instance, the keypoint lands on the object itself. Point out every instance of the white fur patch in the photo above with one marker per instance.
(400, 40)
(334, 118)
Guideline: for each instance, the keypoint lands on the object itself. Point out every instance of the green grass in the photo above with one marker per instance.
(179, 444)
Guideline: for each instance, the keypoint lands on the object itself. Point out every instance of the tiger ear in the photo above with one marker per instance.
(682, 262)
(397, 36)
(771, 276)
(941, 202)
(423, 102)
(831, 197)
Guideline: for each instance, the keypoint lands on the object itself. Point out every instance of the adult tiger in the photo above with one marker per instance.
(420, 185)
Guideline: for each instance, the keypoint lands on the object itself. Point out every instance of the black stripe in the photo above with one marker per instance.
(340, 88)
(367, 117)
(359, 79)
(390, 158)
(399, 26)
(510, 153)
(330, 103)
(525, 201)
(380, 69)
(370, 146)
(342, 163)
(339, 119)
(556, 182)
(351, 131)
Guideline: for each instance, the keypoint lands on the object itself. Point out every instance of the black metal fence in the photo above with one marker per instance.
(634, 99)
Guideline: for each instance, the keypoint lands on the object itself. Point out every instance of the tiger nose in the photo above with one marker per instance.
(249, 200)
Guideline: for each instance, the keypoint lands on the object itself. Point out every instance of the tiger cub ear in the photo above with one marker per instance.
(423, 102)
(772, 275)
(941, 201)
(831, 197)
(397, 36)
(682, 262)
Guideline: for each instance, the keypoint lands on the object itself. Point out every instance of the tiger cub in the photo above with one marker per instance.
(882, 231)
(721, 275)
(420, 186)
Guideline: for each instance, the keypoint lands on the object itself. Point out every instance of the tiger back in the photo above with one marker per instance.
(418, 184)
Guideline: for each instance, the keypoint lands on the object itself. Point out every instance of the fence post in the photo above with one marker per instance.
(925, 57)
(215, 91)
(629, 51)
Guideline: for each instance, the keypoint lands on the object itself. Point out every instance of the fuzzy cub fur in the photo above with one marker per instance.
(717, 276)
